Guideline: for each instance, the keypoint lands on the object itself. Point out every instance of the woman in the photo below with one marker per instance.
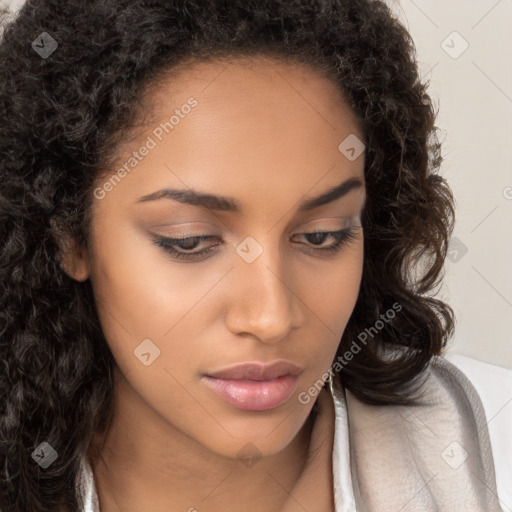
(212, 214)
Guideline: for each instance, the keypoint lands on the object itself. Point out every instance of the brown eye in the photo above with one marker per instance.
(340, 237)
(176, 246)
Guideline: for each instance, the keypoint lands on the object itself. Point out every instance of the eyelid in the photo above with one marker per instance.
(203, 233)
(199, 228)
(341, 238)
(348, 221)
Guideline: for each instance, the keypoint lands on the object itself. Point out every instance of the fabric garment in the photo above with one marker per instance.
(494, 386)
(432, 457)
(435, 457)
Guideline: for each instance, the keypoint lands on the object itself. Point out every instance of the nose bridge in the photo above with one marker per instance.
(262, 303)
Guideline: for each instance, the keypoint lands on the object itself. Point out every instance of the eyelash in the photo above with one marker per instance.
(341, 237)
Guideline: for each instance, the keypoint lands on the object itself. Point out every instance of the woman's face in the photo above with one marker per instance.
(263, 139)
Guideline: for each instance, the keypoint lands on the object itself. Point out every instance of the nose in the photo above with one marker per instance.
(263, 302)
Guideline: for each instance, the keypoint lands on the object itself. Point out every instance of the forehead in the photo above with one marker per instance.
(256, 85)
(257, 125)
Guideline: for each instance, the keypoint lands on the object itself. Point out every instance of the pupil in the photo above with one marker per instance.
(317, 238)
(188, 244)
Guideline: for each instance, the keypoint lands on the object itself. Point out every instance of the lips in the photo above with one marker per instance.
(257, 371)
(255, 386)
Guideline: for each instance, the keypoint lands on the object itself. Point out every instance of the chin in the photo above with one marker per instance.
(253, 437)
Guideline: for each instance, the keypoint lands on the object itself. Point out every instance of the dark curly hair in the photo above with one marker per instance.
(62, 119)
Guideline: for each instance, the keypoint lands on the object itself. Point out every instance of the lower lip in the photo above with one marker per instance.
(251, 395)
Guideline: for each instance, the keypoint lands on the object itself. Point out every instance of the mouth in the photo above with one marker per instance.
(255, 386)
(254, 395)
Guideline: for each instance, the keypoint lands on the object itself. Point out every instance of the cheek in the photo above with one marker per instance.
(144, 291)
(330, 298)
(332, 288)
(146, 309)
(141, 295)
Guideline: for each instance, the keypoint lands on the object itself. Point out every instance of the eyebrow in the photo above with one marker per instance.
(230, 204)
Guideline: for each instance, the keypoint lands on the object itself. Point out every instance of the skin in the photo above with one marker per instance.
(267, 134)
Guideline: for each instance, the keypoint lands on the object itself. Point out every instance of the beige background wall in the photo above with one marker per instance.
(465, 49)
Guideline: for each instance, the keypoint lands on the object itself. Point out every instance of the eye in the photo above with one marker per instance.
(185, 244)
(341, 238)
(182, 248)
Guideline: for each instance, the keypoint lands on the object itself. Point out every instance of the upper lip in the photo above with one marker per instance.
(257, 371)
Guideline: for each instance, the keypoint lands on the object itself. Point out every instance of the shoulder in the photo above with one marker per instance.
(493, 384)
(454, 444)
